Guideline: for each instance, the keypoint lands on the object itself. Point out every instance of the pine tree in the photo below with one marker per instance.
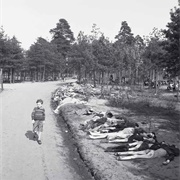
(63, 37)
(172, 45)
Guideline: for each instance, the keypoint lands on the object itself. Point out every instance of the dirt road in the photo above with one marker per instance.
(21, 157)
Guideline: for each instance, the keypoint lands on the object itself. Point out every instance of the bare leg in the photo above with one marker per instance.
(144, 152)
(118, 140)
(39, 135)
(112, 136)
(144, 156)
(135, 145)
(101, 136)
(39, 138)
(96, 133)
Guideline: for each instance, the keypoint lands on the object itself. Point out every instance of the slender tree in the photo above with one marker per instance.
(154, 53)
(124, 50)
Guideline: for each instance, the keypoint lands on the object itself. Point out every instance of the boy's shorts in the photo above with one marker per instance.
(38, 126)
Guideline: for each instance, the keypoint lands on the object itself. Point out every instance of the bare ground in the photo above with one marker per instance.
(21, 157)
(104, 165)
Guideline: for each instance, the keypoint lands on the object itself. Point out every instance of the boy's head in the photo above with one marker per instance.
(39, 102)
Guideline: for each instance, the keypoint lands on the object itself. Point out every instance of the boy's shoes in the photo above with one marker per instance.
(39, 141)
(35, 136)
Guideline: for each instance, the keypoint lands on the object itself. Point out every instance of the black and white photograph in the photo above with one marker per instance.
(90, 90)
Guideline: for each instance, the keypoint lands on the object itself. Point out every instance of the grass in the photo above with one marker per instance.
(151, 109)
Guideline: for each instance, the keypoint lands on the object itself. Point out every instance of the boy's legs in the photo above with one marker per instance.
(35, 130)
(40, 130)
(39, 138)
(39, 135)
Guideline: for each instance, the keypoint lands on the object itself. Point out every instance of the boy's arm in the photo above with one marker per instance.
(44, 114)
(32, 114)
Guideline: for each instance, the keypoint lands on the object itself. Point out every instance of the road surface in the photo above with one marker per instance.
(21, 157)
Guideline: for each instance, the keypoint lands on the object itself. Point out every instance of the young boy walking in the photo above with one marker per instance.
(38, 120)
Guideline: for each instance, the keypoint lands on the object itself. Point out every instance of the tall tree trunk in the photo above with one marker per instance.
(79, 73)
(21, 75)
(31, 75)
(102, 84)
(156, 81)
(37, 75)
(44, 74)
(94, 78)
(99, 77)
(120, 76)
(53, 75)
(178, 89)
(1, 78)
(11, 74)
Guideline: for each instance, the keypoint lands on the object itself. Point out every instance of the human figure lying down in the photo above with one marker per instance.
(155, 151)
(134, 146)
(122, 134)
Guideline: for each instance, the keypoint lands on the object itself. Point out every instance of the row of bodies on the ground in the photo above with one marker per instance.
(133, 140)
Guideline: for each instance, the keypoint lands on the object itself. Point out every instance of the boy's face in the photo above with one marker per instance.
(39, 105)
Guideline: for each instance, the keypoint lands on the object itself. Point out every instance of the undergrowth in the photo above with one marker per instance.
(145, 106)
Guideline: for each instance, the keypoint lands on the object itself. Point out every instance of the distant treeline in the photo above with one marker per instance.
(94, 56)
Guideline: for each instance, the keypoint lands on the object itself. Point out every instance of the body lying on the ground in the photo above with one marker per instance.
(138, 135)
(97, 120)
(106, 122)
(135, 146)
(122, 134)
(68, 100)
(155, 151)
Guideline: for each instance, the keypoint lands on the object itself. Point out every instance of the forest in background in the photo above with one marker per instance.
(93, 58)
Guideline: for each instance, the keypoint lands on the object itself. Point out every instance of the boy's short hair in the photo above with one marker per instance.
(39, 100)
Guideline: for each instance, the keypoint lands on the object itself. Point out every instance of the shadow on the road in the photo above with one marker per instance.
(30, 135)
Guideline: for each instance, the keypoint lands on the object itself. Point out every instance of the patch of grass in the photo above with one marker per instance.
(145, 107)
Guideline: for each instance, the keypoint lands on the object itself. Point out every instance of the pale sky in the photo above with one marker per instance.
(30, 19)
